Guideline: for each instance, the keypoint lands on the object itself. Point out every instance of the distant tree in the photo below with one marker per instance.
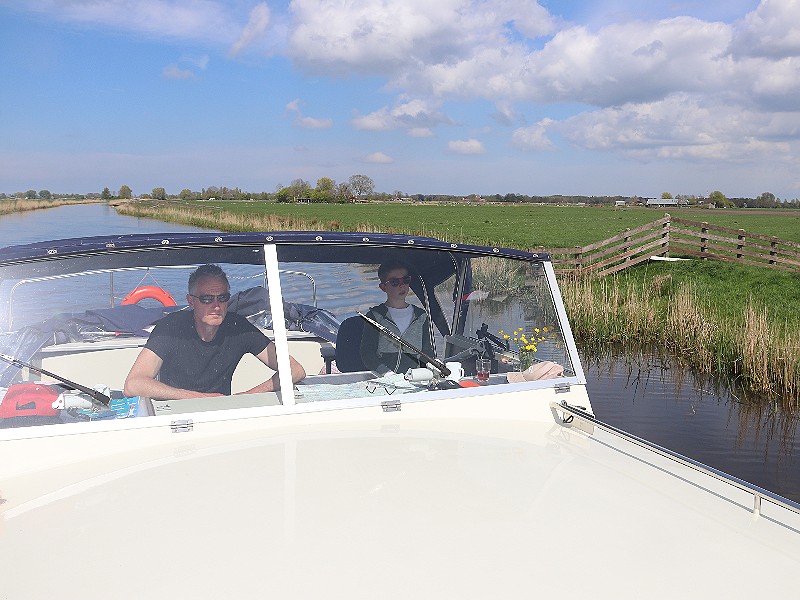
(325, 190)
(159, 193)
(361, 185)
(106, 194)
(666, 196)
(719, 199)
(125, 192)
(767, 200)
(186, 194)
(325, 184)
(30, 194)
(343, 192)
(45, 194)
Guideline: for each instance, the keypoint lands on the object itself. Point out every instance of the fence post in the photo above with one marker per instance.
(772, 246)
(665, 235)
(576, 257)
(740, 245)
(703, 239)
(626, 247)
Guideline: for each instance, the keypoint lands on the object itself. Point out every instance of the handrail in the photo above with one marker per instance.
(759, 493)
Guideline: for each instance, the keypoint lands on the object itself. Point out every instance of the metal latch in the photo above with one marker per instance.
(561, 388)
(390, 405)
(182, 425)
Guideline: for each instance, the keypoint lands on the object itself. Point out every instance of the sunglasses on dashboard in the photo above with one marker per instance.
(209, 298)
(395, 281)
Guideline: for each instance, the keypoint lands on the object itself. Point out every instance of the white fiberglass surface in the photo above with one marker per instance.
(407, 507)
(85, 319)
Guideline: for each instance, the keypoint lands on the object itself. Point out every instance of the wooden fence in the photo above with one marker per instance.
(677, 237)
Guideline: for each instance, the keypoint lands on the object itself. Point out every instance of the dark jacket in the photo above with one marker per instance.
(380, 353)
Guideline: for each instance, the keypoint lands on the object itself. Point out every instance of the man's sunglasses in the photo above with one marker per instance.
(209, 298)
(395, 281)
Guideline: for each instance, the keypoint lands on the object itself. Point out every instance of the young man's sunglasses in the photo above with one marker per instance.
(209, 298)
(395, 281)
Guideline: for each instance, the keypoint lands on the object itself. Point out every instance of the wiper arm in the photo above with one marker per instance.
(99, 396)
(434, 362)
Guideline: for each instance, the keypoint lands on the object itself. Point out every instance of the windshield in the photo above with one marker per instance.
(355, 321)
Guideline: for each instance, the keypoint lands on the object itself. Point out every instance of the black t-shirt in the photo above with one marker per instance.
(192, 364)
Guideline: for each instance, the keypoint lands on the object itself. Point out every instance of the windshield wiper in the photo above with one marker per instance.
(98, 396)
(434, 362)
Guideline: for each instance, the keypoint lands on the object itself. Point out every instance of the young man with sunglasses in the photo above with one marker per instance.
(379, 352)
(191, 354)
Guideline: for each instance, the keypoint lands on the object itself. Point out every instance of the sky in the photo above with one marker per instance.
(595, 97)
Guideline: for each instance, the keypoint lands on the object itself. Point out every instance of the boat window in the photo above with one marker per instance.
(81, 321)
(508, 305)
(88, 325)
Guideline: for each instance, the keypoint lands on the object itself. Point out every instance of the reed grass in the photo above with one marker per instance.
(755, 352)
(14, 206)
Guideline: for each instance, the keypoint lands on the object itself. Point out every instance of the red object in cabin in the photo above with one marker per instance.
(28, 400)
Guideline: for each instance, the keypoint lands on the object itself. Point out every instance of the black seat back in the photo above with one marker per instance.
(348, 345)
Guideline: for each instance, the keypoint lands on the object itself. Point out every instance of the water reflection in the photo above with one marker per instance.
(652, 396)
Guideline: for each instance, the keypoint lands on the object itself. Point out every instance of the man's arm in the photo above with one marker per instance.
(141, 380)
(269, 357)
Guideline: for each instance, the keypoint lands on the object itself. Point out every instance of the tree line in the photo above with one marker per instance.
(362, 188)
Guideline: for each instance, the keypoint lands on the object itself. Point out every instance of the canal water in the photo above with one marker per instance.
(646, 394)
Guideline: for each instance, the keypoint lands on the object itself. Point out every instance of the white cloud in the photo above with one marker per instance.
(174, 72)
(255, 29)
(533, 137)
(406, 114)
(420, 132)
(307, 122)
(771, 30)
(312, 123)
(181, 19)
(684, 126)
(378, 158)
(375, 36)
(471, 146)
(200, 62)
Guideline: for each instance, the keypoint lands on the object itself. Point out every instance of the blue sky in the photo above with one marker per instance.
(453, 96)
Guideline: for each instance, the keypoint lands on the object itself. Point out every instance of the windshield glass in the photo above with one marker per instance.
(359, 321)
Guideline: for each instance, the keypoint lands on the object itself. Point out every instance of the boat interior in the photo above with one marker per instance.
(84, 317)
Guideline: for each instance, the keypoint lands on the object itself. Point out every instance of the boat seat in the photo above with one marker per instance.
(348, 345)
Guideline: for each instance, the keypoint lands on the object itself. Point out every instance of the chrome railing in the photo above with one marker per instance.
(759, 494)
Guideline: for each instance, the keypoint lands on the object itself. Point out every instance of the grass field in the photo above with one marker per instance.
(518, 226)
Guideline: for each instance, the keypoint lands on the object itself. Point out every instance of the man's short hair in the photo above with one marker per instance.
(203, 271)
(388, 267)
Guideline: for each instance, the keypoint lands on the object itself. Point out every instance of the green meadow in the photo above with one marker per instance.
(517, 226)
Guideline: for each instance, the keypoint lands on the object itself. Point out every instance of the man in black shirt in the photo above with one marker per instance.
(191, 354)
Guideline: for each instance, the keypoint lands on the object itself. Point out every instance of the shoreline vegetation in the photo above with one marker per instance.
(733, 321)
(14, 206)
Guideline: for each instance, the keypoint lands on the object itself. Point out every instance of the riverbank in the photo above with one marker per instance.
(15, 206)
(741, 337)
(735, 321)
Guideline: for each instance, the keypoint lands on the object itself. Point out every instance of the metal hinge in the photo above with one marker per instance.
(182, 425)
(561, 388)
(390, 405)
